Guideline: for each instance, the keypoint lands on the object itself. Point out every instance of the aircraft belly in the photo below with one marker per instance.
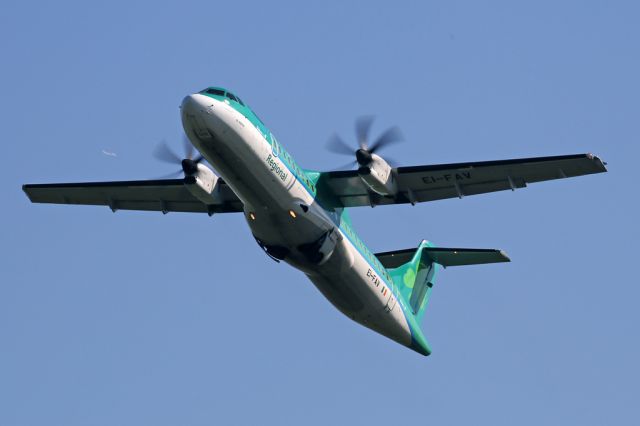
(354, 294)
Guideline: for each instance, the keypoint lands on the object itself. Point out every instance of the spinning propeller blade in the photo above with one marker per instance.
(189, 165)
(363, 151)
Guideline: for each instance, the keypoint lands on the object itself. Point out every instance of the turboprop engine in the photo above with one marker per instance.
(377, 174)
(198, 178)
(203, 184)
(374, 171)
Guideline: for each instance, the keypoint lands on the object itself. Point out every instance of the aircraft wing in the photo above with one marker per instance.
(167, 195)
(435, 182)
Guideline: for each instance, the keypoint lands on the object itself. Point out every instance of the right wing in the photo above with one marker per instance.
(166, 195)
(436, 182)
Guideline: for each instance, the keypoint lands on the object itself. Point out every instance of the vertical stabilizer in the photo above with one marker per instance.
(415, 278)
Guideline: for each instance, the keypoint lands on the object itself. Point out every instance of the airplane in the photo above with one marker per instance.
(300, 216)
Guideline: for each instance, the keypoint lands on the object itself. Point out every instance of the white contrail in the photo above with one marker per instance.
(109, 153)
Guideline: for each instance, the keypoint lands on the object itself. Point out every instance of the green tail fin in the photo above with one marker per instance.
(413, 272)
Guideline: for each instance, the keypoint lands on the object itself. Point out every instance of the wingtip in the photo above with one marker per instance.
(505, 256)
(25, 188)
(602, 165)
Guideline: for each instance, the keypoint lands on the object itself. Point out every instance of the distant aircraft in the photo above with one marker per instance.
(300, 216)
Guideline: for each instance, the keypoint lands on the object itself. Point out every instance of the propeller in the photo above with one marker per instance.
(189, 165)
(364, 151)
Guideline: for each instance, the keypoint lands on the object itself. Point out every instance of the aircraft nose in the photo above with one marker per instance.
(195, 110)
(192, 104)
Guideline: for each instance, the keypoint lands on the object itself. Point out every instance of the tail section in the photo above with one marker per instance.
(414, 271)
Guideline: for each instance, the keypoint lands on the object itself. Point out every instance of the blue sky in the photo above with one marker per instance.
(140, 318)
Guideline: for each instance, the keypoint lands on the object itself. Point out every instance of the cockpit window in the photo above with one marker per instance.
(216, 92)
(221, 92)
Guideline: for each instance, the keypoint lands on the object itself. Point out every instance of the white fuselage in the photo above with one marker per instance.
(282, 213)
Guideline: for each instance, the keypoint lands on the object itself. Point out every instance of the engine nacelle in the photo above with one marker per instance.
(204, 185)
(378, 176)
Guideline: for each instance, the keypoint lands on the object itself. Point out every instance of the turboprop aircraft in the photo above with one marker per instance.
(300, 216)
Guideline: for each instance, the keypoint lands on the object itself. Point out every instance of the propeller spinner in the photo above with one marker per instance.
(364, 151)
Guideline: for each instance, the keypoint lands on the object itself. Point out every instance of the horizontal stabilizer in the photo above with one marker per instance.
(463, 256)
(444, 256)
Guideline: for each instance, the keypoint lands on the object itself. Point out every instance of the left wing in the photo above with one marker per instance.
(435, 182)
(167, 195)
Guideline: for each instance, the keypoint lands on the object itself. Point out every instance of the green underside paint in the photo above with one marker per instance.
(415, 280)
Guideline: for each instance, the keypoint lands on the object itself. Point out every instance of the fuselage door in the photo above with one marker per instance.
(391, 302)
